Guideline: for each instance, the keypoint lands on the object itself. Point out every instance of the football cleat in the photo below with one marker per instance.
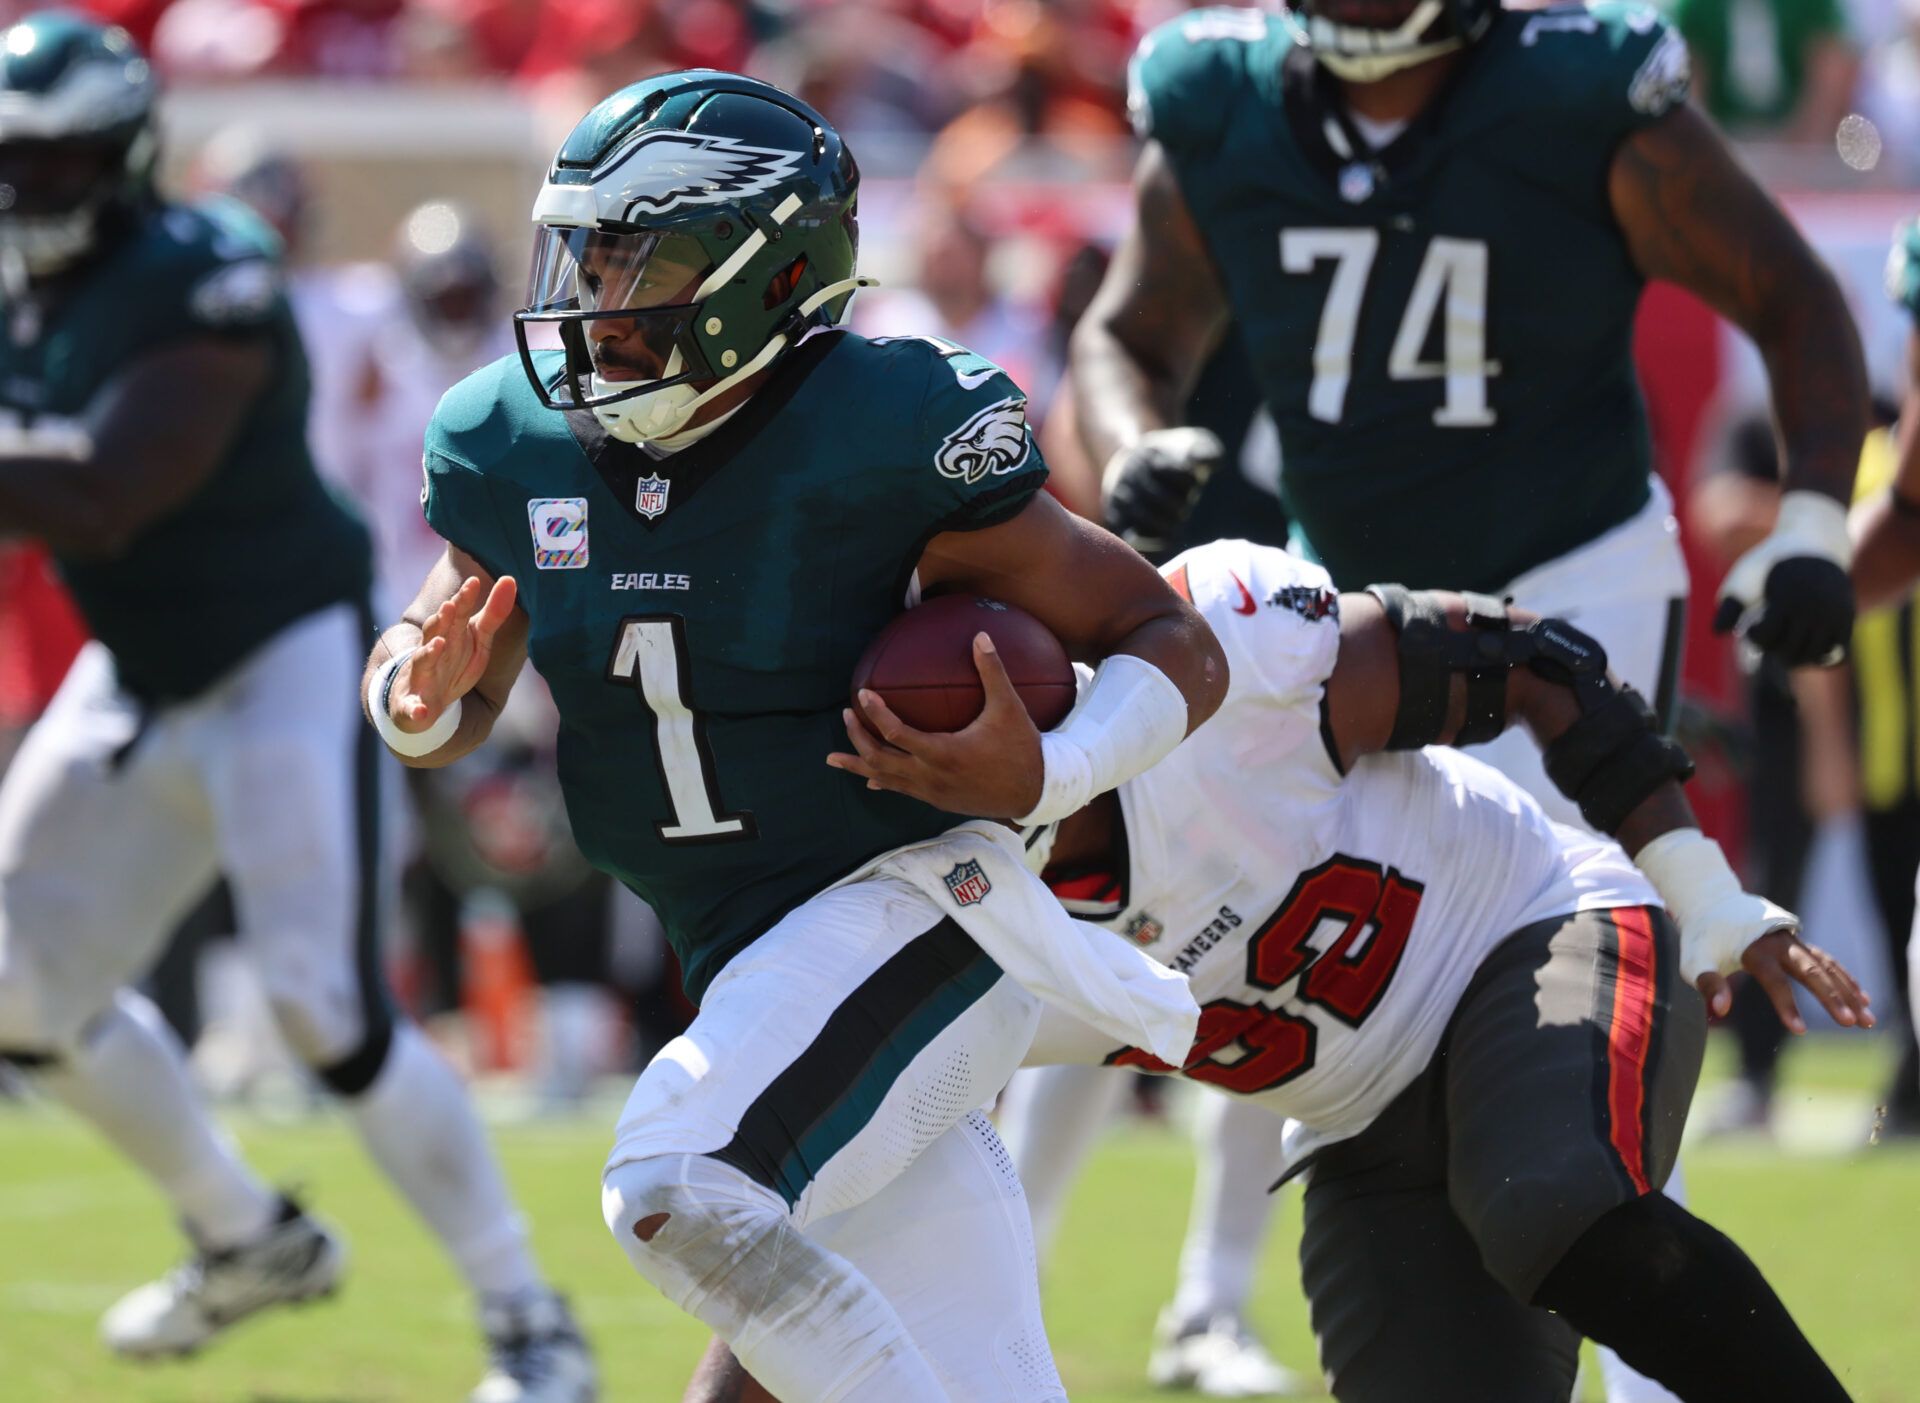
(538, 1354)
(295, 1260)
(1220, 1358)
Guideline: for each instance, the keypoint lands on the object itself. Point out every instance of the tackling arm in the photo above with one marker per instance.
(152, 435)
(1692, 216)
(461, 643)
(1440, 668)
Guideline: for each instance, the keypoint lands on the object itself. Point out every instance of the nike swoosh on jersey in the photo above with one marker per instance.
(974, 379)
(1246, 604)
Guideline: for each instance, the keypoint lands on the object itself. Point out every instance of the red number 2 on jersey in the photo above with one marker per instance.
(1248, 1048)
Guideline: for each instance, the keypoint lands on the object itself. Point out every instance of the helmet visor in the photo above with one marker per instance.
(623, 306)
(49, 178)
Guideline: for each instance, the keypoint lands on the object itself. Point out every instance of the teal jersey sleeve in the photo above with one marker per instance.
(1618, 66)
(979, 463)
(469, 433)
(1903, 269)
(207, 268)
(1181, 76)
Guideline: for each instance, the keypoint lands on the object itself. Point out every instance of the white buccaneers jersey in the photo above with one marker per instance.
(1329, 923)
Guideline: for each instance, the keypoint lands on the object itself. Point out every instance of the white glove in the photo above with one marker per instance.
(1790, 595)
(1717, 919)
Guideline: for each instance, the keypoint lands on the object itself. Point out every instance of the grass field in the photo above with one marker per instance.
(1836, 1226)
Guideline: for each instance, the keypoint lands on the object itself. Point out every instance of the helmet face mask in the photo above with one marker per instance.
(1362, 41)
(76, 137)
(690, 229)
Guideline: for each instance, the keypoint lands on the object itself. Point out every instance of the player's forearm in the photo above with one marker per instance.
(478, 711)
(1818, 382)
(1121, 391)
(1184, 649)
(1549, 710)
(59, 502)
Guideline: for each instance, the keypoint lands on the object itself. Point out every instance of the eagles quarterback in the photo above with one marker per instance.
(153, 395)
(690, 501)
(1431, 220)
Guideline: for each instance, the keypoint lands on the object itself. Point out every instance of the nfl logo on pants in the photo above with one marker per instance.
(968, 883)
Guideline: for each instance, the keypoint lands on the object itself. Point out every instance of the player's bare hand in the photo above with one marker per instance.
(991, 769)
(455, 647)
(1779, 960)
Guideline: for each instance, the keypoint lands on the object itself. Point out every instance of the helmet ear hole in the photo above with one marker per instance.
(783, 284)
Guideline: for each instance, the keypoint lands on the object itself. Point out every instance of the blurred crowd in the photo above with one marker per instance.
(1783, 70)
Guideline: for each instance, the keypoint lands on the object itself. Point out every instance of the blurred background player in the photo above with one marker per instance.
(157, 390)
(1465, 411)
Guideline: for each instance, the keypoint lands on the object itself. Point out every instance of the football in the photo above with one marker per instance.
(922, 663)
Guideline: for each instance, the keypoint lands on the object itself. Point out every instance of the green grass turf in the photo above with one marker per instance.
(1836, 1228)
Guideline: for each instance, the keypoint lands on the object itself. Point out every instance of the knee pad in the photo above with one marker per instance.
(689, 1223)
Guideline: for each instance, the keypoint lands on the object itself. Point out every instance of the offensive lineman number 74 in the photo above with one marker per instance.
(1451, 283)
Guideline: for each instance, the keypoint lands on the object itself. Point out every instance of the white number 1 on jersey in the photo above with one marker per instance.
(1451, 283)
(650, 654)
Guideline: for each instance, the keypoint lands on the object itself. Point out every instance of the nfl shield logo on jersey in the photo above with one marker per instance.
(650, 496)
(968, 883)
(559, 532)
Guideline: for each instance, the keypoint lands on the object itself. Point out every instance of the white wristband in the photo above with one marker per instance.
(1128, 718)
(1717, 918)
(411, 744)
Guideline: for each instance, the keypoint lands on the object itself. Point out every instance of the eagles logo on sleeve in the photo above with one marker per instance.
(1664, 77)
(992, 441)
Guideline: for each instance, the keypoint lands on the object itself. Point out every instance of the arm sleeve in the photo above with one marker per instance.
(977, 461)
(201, 280)
(1637, 69)
(1178, 77)
(457, 500)
(1278, 621)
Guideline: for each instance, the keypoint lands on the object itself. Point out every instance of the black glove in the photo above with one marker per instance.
(1790, 596)
(1805, 614)
(1148, 489)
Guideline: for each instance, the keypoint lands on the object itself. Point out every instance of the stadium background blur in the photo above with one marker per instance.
(995, 151)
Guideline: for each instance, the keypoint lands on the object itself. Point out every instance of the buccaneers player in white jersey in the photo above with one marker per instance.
(1478, 1020)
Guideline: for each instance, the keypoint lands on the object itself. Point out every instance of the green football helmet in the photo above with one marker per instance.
(77, 139)
(692, 227)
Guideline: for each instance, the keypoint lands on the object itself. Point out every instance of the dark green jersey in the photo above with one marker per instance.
(1441, 329)
(698, 616)
(260, 543)
(1903, 269)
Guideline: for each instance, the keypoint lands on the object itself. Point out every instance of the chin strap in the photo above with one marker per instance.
(778, 342)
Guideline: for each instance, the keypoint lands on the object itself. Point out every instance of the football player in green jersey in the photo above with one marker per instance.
(691, 514)
(1431, 220)
(152, 404)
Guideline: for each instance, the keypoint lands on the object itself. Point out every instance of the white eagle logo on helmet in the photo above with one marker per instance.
(664, 170)
(993, 440)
